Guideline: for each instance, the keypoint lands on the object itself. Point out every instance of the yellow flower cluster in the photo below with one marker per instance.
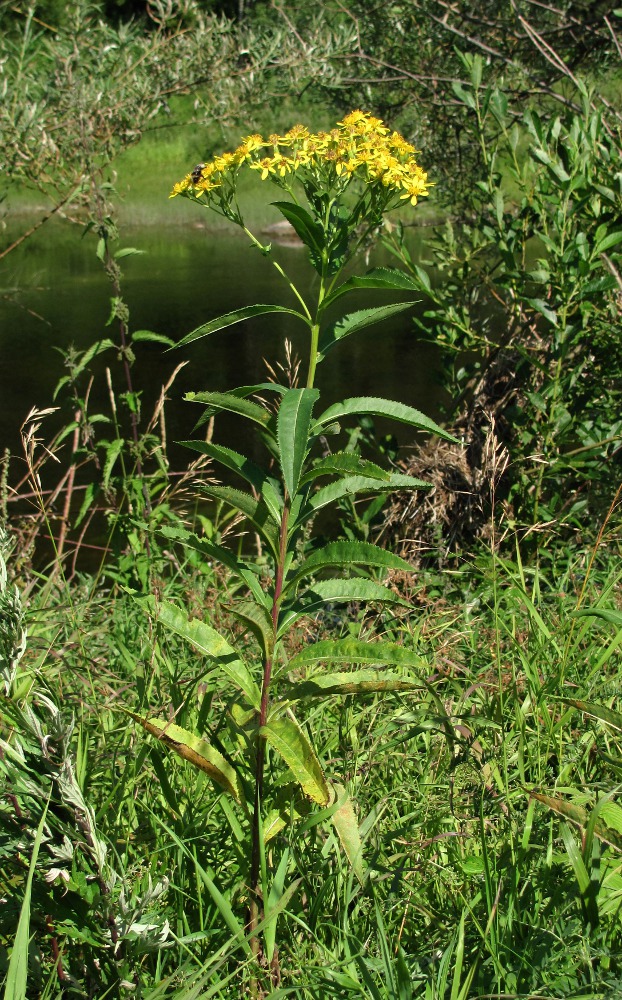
(360, 146)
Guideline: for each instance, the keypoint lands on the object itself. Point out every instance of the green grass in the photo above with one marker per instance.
(475, 888)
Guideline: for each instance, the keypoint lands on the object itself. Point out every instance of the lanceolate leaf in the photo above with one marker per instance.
(311, 234)
(336, 592)
(258, 619)
(355, 651)
(608, 826)
(605, 614)
(288, 739)
(219, 553)
(601, 712)
(356, 321)
(345, 463)
(354, 682)
(231, 460)
(346, 825)
(236, 316)
(216, 401)
(381, 408)
(207, 640)
(389, 278)
(255, 510)
(195, 750)
(357, 484)
(293, 424)
(344, 554)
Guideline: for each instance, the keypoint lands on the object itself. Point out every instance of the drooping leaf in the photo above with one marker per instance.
(601, 712)
(382, 408)
(605, 614)
(353, 485)
(326, 592)
(344, 554)
(196, 751)
(236, 316)
(389, 278)
(229, 401)
(231, 459)
(345, 463)
(288, 739)
(608, 826)
(357, 651)
(247, 573)
(148, 336)
(356, 321)
(347, 827)
(293, 424)
(258, 619)
(256, 511)
(352, 682)
(305, 226)
(208, 641)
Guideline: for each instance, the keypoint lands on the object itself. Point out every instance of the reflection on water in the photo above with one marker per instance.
(185, 277)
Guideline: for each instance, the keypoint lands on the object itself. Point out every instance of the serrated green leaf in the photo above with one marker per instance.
(287, 738)
(255, 510)
(344, 463)
(344, 554)
(113, 450)
(208, 641)
(346, 824)
(389, 278)
(356, 321)
(219, 401)
(232, 460)
(293, 422)
(353, 485)
(259, 620)
(347, 683)
(357, 651)
(233, 317)
(382, 408)
(218, 553)
(305, 226)
(196, 751)
(151, 337)
(336, 592)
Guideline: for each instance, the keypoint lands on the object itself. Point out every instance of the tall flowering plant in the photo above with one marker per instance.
(339, 185)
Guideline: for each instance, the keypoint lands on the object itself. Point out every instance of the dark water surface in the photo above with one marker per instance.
(55, 294)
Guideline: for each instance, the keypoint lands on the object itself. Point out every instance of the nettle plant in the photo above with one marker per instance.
(340, 184)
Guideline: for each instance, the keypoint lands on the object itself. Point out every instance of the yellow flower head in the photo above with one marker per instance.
(360, 148)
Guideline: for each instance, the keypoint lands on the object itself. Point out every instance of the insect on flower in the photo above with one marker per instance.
(196, 173)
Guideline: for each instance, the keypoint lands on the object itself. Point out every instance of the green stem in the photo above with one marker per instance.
(278, 267)
(255, 870)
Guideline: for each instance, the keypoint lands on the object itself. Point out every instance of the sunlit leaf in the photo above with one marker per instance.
(608, 826)
(601, 712)
(231, 459)
(356, 321)
(196, 751)
(389, 278)
(358, 651)
(382, 408)
(208, 641)
(247, 573)
(288, 739)
(293, 424)
(229, 401)
(345, 463)
(353, 682)
(233, 317)
(346, 825)
(344, 554)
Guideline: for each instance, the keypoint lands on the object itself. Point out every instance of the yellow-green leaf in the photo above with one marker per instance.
(288, 739)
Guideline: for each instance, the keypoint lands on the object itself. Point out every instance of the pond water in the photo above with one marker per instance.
(56, 294)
